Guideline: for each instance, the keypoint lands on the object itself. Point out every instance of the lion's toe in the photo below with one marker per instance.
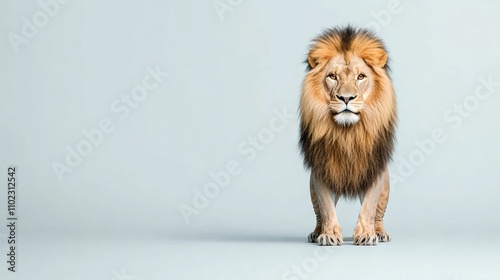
(312, 237)
(383, 236)
(329, 240)
(365, 239)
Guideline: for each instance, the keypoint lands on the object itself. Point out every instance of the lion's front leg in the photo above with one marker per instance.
(382, 235)
(327, 231)
(317, 230)
(364, 232)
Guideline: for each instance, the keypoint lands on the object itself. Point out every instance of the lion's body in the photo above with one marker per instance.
(348, 117)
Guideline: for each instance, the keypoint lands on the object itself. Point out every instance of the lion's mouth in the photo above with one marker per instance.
(346, 111)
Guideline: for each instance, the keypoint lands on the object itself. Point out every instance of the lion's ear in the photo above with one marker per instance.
(311, 59)
(376, 57)
(318, 56)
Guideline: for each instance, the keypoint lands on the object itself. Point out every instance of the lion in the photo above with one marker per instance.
(347, 124)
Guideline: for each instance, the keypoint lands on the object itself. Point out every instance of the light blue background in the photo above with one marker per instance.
(120, 207)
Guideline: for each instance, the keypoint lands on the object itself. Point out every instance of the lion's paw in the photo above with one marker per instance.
(365, 239)
(329, 240)
(383, 236)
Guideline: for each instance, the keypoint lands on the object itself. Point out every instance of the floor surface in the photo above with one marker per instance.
(255, 256)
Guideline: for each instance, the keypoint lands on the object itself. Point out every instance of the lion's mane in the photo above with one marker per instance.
(347, 158)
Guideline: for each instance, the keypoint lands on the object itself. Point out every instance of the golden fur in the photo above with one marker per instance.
(348, 117)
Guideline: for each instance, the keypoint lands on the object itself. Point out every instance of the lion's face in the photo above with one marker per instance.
(346, 87)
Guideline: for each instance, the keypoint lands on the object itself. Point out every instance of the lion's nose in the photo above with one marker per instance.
(346, 98)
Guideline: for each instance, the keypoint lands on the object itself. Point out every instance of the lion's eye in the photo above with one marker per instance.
(361, 76)
(333, 77)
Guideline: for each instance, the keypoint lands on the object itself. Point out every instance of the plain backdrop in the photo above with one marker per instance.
(231, 66)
